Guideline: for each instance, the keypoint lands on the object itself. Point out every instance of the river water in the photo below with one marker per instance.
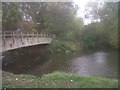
(95, 63)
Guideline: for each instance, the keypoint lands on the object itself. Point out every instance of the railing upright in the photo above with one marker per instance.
(13, 38)
(21, 36)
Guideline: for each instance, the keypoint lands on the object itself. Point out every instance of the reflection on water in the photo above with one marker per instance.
(100, 57)
(100, 63)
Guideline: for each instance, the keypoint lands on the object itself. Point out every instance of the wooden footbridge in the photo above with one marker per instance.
(14, 40)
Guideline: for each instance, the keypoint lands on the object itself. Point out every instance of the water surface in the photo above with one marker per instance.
(95, 63)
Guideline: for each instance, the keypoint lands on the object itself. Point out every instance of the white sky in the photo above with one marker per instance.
(81, 4)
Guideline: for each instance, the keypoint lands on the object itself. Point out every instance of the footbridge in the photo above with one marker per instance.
(10, 40)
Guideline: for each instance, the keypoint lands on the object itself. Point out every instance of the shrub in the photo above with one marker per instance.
(62, 46)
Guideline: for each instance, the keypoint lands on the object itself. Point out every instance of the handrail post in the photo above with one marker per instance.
(13, 38)
(33, 37)
(37, 38)
(21, 36)
(27, 36)
(41, 37)
(4, 39)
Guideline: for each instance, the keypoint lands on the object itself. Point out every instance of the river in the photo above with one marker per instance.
(93, 63)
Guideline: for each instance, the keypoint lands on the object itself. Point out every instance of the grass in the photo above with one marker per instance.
(56, 80)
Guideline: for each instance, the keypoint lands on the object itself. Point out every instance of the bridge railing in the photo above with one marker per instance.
(8, 34)
(11, 40)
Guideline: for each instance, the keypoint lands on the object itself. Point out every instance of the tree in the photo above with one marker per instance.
(107, 14)
(56, 18)
(11, 16)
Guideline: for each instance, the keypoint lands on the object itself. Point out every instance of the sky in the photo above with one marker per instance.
(81, 4)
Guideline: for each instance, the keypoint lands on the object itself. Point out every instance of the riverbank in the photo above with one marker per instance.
(56, 80)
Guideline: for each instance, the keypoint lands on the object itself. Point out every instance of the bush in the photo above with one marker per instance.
(62, 46)
(89, 38)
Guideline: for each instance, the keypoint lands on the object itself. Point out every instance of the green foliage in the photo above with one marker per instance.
(111, 22)
(11, 16)
(62, 46)
(60, 19)
(89, 38)
(93, 36)
(55, 18)
(105, 31)
(56, 80)
(24, 26)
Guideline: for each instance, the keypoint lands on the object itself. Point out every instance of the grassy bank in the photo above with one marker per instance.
(56, 80)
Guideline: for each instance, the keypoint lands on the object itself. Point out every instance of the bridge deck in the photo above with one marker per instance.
(14, 40)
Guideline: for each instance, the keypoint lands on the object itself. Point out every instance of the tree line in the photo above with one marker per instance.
(60, 18)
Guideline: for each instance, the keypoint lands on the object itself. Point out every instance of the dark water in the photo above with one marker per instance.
(38, 61)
